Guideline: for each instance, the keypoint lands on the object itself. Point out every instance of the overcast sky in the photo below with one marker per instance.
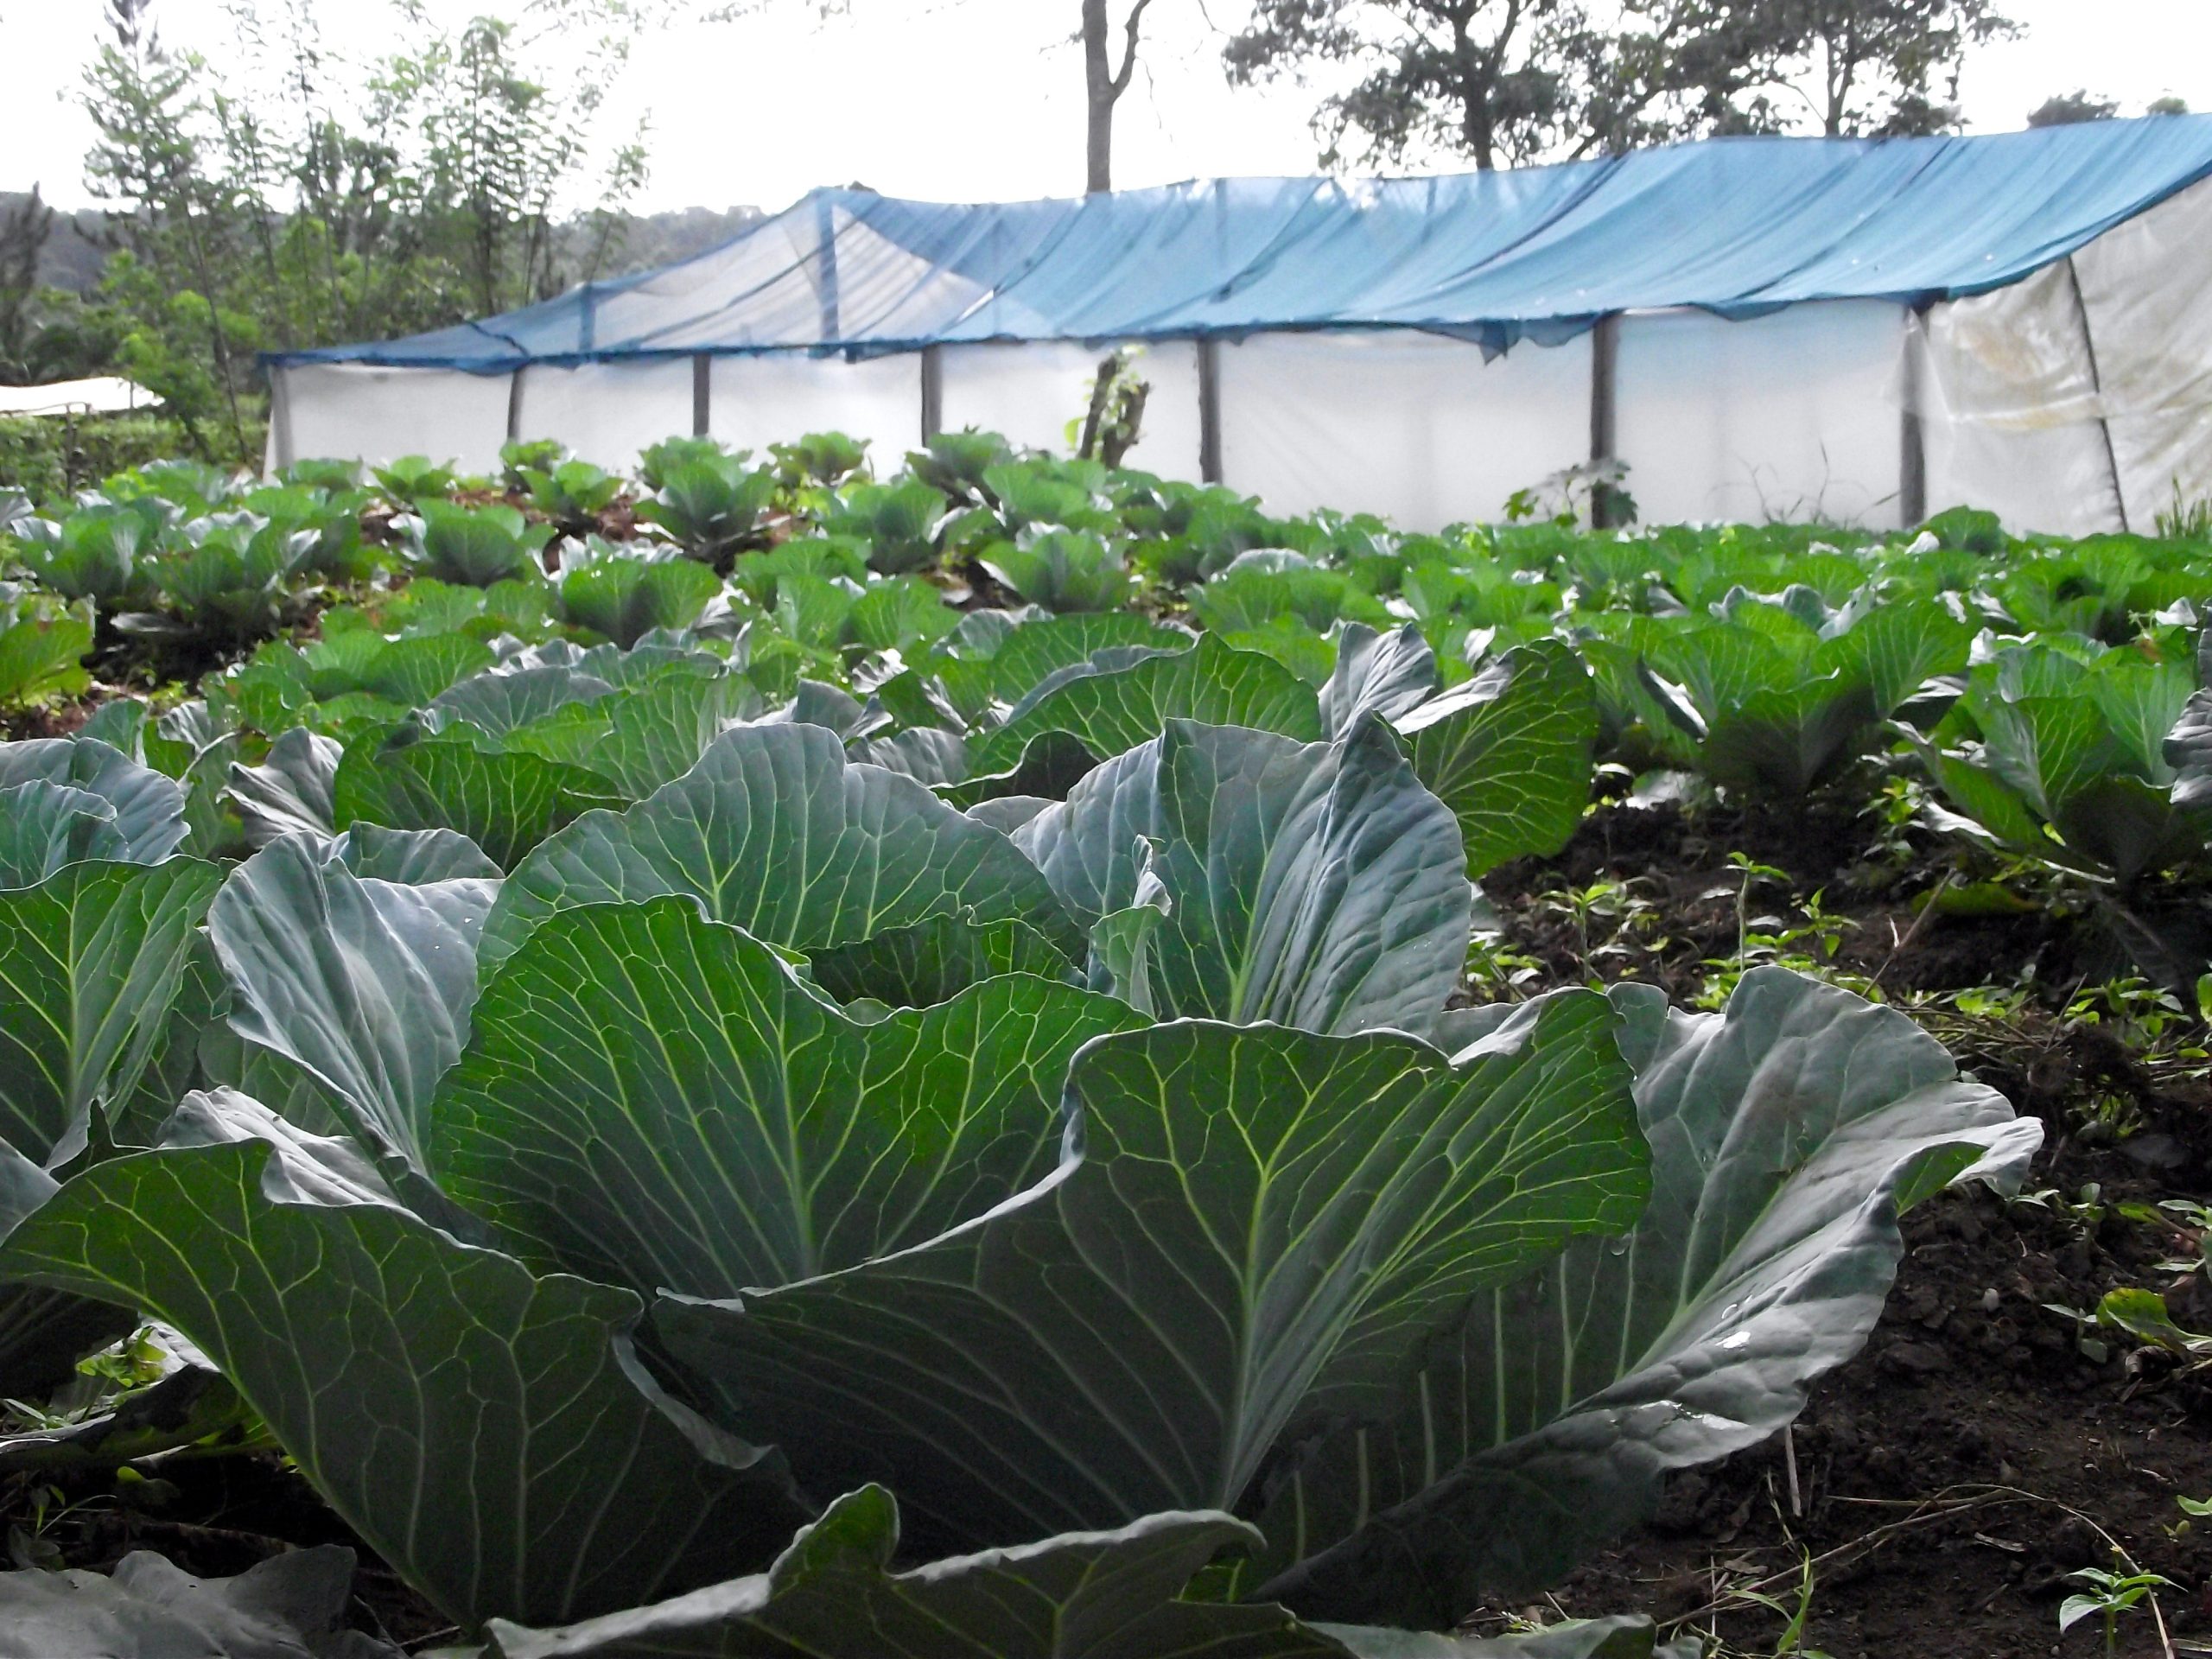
(980, 100)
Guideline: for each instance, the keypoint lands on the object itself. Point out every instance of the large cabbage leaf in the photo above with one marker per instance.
(149, 810)
(653, 1099)
(1510, 752)
(834, 1594)
(506, 800)
(487, 1432)
(1118, 699)
(775, 831)
(1315, 884)
(1786, 1133)
(290, 1606)
(364, 984)
(91, 962)
(1252, 1228)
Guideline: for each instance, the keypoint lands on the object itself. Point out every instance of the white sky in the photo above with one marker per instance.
(981, 99)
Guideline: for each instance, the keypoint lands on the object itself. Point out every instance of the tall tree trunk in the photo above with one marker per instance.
(1099, 93)
(1103, 86)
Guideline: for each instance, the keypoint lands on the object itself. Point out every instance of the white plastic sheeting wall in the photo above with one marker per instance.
(1030, 393)
(1418, 427)
(379, 415)
(753, 402)
(1788, 415)
(2080, 399)
(607, 412)
(2073, 402)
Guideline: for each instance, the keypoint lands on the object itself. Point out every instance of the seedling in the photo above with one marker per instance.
(2109, 1595)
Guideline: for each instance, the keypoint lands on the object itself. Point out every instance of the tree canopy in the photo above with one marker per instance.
(1507, 81)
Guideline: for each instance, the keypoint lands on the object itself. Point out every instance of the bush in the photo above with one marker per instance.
(46, 457)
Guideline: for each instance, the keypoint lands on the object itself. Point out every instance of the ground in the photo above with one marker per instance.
(1939, 1487)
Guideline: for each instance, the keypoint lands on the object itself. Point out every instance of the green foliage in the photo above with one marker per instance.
(897, 522)
(473, 547)
(2069, 759)
(711, 505)
(658, 460)
(94, 551)
(47, 458)
(572, 494)
(622, 594)
(414, 478)
(1062, 570)
(43, 641)
(955, 464)
(822, 460)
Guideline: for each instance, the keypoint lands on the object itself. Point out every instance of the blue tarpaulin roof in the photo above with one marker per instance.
(1735, 225)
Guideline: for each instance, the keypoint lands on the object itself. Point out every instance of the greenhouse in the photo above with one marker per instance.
(1853, 331)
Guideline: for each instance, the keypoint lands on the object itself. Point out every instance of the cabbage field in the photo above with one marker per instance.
(992, 1056)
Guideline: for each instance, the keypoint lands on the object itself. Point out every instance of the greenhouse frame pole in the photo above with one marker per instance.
(1912, 436)
(2097, 386)
(1605, 405)
(514, 407)
(702, 394)
(1209, 410)
(932, 393)
(280, 417)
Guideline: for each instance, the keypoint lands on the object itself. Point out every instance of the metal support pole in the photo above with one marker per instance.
(825, 243)
(932, 393)
(279, 418)
(1210, 411)
(1912, 437)
(1604, 404)
(514, 407)
(2097, 386)
(702, 394)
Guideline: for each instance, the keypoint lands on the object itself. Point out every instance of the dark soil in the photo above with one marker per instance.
(1678, 863)
(222, 1515)
(1949, 1478)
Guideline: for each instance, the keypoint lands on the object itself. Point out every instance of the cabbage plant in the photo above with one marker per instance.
(472, 546)
(1771, 696)
(2092, 760)
(572, 493)
(897, 523)
(42, 645)
(1062, 569)
(711, 505)
(797, 1203)
(100, 551)
(623, 593)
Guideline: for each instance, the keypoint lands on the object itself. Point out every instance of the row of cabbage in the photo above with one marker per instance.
(2043, 689)
(942, 1135)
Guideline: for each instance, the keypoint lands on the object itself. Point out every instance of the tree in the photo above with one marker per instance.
(1483, 78)
(1103, 84)
(176, 219)
(23, 232)
(2065, 109)
(1877, 66)
(1518, 80)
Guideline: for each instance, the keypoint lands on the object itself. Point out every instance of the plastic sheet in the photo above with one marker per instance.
(377, 415)
(1421, 428)
(607, 412)
(2080, 399)
(1787, 417)
(756, 401)
(1031, 393)
(1734, 225)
